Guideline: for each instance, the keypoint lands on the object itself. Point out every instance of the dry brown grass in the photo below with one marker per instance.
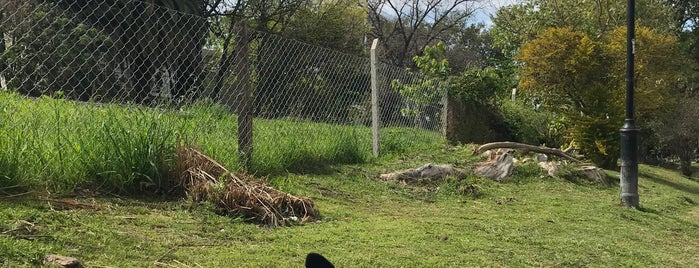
(239, 195)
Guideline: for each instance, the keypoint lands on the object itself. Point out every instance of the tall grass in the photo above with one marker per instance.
(62, 145)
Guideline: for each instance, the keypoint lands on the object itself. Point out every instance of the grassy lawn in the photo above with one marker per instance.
(531, 220)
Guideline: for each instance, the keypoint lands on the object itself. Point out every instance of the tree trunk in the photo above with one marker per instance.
(686, 164)
(225, 63)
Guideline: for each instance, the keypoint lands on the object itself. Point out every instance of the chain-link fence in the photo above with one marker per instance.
(103, 90)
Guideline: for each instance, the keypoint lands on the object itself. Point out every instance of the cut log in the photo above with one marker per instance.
(497, 170)
(522, 146)
(594, 174)
(550, 167)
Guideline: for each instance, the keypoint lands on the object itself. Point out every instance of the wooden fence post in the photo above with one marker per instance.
(244, 107)
(445, 109)
(375, 124)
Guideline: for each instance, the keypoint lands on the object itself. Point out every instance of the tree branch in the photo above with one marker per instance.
(515, 145)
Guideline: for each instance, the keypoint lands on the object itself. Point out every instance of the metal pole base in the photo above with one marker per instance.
(629, 164)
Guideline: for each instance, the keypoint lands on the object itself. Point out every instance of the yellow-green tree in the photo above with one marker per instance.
(584, 80)
(657, 67)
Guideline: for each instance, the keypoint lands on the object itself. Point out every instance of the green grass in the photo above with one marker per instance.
(60, 145)
(531, 220)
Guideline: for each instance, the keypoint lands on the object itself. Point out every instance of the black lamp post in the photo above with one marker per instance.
(629, 132)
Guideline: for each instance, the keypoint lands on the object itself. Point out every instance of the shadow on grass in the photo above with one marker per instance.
(649, 210)
(660, 180)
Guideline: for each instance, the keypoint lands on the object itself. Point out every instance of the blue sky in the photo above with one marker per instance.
(487, 8)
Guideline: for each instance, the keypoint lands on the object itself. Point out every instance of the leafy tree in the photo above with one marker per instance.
(312, 75)
(658, 67)
(568, 69)
(584, 80)
(678, 131)
(519, 23)
(686, 13)
(472, 47)
(338, 25)
(425, 92)
(479, 86)
(145, 40)
(44, 51)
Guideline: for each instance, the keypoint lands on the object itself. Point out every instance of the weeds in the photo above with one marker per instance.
(63, 145)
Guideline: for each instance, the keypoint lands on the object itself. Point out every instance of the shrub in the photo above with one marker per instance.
(532, 126)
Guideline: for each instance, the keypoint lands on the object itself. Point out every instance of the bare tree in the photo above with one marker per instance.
(264, 15)
(406, 27)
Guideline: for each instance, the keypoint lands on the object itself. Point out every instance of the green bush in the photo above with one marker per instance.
(478, 85)
(533, 126)
(598, 140)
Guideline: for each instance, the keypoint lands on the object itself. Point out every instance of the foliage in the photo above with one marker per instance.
(520, 23)
(570, 71)
(433, 62)
(472, 47)
(659, 64)
(583, 79)
(678, 131)
(427, 91)
(479, 85)
(338, 24)
(534, 126)
(658, 67)
(49, 52)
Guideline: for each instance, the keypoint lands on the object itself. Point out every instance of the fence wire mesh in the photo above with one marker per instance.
(102, 91)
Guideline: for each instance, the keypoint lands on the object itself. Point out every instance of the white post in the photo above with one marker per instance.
(445, 108)
(7, 42)
(375, 124)
(514, 94)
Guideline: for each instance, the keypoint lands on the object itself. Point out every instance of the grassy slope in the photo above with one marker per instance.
(528, 221)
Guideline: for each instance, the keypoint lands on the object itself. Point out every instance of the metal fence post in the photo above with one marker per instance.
(242, 82)
(375, 124)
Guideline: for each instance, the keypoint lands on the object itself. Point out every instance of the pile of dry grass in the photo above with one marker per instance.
(204, 179)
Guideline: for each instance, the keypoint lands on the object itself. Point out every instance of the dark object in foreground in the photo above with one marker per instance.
(315, 260)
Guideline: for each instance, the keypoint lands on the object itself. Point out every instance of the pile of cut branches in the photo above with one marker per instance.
(204, 179)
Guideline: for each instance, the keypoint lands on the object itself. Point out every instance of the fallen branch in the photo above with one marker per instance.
(522, 146)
